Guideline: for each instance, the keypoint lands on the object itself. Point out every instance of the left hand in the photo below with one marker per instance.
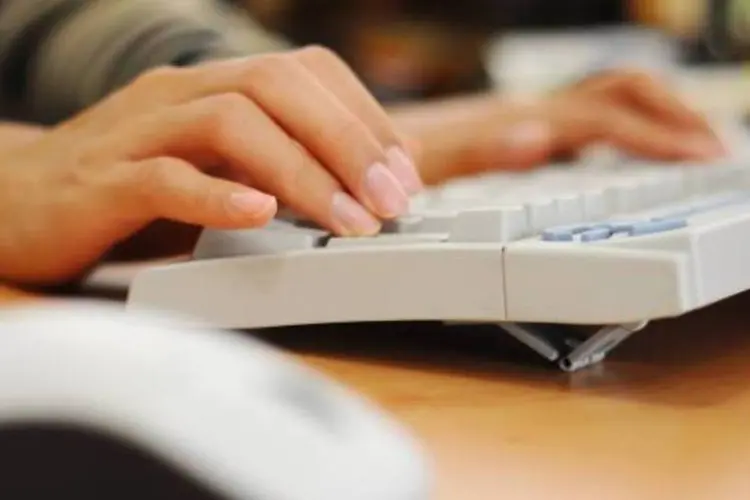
(628, 110)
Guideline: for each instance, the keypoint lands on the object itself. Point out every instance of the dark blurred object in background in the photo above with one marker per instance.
(407, 49)
(711, 31)
(725, 36)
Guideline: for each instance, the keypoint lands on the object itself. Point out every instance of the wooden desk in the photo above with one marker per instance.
(665, 417)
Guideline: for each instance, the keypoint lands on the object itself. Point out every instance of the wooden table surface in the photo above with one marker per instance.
(664, 418)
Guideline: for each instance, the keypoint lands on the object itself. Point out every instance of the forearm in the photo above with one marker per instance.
(60, 56)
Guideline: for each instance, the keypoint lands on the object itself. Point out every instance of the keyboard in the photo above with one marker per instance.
(607, 244)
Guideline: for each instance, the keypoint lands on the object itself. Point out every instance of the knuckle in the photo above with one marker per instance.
(267, 69)
(227, 104)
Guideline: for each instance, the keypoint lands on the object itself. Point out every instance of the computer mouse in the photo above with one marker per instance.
(99, 403)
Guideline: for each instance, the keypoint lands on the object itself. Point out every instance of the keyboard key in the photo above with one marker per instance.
(594, 205)
(694, 207)
(596, 234)
(429, 221)
(406, 224)
(623, 198)
(386, 240)
(270, 240)
(569, 233)
(569, 209)
(489, 225)
(622, 226)
(656, 226)
(541, 214)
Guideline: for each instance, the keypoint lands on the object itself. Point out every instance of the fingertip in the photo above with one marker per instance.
(352, 219)
(252, 206)
(402, 165)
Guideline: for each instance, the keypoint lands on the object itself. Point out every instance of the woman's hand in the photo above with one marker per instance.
(218, 145)
(628, 110)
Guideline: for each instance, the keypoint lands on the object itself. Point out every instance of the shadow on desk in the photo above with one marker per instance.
(701, 359)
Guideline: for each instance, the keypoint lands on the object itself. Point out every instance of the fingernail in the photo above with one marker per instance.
(385, 192)
(529, 134)
(352, 216)
(251, 202)
(404, 169)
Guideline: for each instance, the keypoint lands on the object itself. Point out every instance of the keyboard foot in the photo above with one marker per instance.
(557, 343)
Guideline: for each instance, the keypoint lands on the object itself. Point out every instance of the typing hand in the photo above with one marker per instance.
(630, 111)
(218, 145)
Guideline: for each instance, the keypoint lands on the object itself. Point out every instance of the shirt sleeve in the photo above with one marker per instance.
(58, 57)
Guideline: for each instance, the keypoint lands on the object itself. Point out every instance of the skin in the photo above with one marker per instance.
(628, 110)
(226, 144)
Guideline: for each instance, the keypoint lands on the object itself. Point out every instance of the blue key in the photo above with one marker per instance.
(656, 226)
(706, 206)
(568, 233)
(558, 235)
(622, 226)
(597, 234)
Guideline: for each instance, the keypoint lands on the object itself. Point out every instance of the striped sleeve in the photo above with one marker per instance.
(58, 57)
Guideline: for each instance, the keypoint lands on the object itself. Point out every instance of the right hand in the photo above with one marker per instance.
(218, 145)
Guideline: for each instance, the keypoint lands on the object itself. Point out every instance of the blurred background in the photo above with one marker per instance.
(407, 49)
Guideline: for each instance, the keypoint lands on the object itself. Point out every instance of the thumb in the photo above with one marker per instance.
(169, 188)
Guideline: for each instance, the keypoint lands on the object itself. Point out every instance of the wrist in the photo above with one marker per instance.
(465, 135)
(16, 135)
(441, 129)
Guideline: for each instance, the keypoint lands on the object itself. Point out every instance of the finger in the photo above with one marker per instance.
(308, 112)
(173, 189)
(653, 97)
(580, 125)
(231, 130)
(316, 118)
(339, 78)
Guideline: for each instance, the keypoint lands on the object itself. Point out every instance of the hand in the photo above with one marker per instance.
(628, 110)
(218, 145)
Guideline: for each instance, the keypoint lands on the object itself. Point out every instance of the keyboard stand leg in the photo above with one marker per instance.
(534, 338)
(571, 353)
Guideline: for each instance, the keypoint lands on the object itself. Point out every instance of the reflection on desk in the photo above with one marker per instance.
(664, 417)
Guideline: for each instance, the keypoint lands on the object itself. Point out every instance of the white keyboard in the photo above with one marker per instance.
(589, 244)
